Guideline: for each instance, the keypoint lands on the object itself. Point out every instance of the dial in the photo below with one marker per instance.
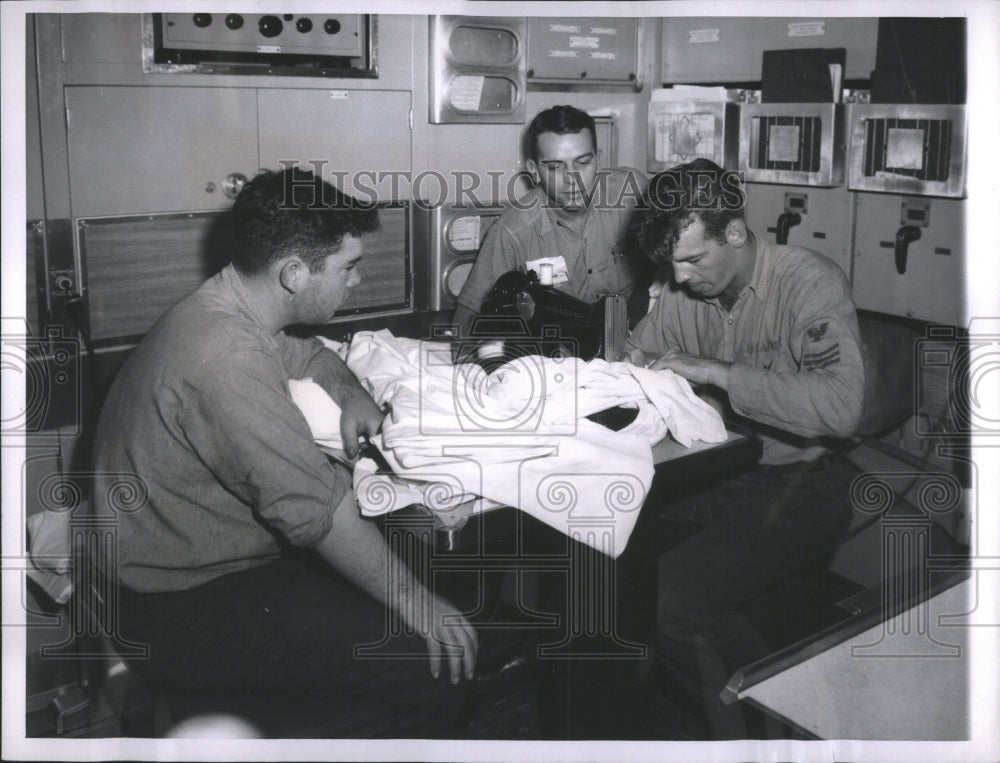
(270, 26)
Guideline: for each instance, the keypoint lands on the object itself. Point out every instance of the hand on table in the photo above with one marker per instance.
(360, 418)
(694, 368)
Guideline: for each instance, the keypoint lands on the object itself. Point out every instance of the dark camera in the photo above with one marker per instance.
(50, 366)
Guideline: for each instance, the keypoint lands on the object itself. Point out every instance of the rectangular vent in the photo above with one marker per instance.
(916, 148)
(788, 143)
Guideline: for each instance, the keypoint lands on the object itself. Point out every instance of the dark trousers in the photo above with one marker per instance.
(731, 543)
(290, 629)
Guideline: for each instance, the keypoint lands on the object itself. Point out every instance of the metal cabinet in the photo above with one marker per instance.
(359, 139)
(815, 218)
(922, 237)
(164, 149)
(720, 50)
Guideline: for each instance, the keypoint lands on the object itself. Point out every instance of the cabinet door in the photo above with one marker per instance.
(359, 139)
(932, 286)
(825, 218)
(157, 149)
(730, 49)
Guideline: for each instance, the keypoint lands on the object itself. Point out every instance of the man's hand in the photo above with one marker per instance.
(447, 632)
(355, 548)
(695, 369)
(360, 417)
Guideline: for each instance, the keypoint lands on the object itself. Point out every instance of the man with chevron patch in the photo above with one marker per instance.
(770, 332)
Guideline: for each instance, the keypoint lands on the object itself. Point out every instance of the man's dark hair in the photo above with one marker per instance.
(675, 198)
(562, 120)
(293, 212)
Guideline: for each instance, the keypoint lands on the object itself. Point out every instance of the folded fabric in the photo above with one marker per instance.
(322, 414)
(50, 546)
(516, 437)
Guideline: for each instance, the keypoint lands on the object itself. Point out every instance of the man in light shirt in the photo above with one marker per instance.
(771, 333)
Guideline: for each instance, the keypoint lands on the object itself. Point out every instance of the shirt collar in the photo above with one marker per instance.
(607, 186)
(760, 281)
(234, 292)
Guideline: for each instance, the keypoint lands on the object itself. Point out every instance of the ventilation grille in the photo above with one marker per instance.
(786, 143)
(916, 148)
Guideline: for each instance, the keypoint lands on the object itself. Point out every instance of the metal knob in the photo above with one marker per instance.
(270, 26)
(233, 184)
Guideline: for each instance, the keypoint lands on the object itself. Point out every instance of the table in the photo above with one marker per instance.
(594, 617)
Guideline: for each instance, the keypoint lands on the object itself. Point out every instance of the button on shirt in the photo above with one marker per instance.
(792, 337)
(595, 260)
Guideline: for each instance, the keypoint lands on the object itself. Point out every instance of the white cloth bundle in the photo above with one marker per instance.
(51, 548)
(517, 437)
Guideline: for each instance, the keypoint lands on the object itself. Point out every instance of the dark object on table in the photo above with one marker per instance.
(616, 418)
(542, 319)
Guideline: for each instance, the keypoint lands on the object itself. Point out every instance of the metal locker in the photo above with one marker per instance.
(358, 139)
(909, 257)
(157, 149)
(815, 218)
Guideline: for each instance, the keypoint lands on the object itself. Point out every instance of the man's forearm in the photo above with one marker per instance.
(332, 374)
(356, 549)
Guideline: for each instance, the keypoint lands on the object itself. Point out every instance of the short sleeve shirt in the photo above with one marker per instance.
(596, 262)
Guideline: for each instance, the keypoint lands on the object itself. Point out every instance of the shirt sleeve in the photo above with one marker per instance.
(242, 423)
(297, 353)
(824, 395)
(498, 255)
(656, 332)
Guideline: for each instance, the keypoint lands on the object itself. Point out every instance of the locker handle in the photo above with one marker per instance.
(786, 221)
(904, 236)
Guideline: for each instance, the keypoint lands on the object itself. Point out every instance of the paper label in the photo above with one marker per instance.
(683, 137)
(564, 28)
(560, 273)
(605, 56)
(703, 35)
(783, 143)
(465, 92)
(603, 30)
(564, 54)
(585, 42)
(463, 235)
(807, 29)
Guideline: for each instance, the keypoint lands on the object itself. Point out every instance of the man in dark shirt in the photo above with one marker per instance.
(248, 567)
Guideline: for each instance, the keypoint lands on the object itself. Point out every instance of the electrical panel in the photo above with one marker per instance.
(911, 149)
(793, 143)
(820, 219)
(680, 130)
(318, 44)
(478, 69)
(447, 240)
(909, 257)
(582, 51)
